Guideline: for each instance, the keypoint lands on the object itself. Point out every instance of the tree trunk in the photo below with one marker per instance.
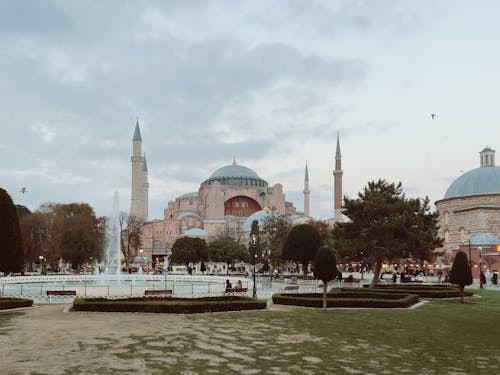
(304, 268)
(376, 273)
(324, 294)
(461, 293)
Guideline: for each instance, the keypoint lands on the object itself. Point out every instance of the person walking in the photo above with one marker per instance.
(494, 278)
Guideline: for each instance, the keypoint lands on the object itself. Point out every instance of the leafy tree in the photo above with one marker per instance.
(22, 211)
(301, 245)
(35, 232)
(325, 232)
(189, 250)
(228, 251)
(11, 251)
(460, 273)
(130, 239)
(275, 229)
(384, 225)
(82, 233)
(325, 268)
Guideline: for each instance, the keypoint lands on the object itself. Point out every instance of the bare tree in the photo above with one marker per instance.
(130, 234)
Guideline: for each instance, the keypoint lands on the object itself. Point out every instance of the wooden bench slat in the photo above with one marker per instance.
(292, 287)
(236, 290)
(158, 292)
(61, 292)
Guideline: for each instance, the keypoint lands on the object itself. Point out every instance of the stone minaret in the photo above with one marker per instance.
(337, 184)
(145, 189)
(137, 194)
(307, 211)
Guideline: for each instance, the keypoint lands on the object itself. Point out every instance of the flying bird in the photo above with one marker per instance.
(23, 190)
(433, 115)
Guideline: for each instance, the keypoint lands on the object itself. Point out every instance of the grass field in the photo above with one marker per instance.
(440, 337)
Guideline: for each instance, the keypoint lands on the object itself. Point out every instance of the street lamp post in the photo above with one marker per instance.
(480, 249)
(470, 256)
(253, 244)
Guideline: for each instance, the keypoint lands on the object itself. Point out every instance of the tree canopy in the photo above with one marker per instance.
(228, 251)
(325, 268)
(11, 251)
(386, 226)
(189, 250)
(273, 234)
(301, 245)
(460, 273)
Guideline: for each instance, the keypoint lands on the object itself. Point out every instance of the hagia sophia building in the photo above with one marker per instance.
(226, 203)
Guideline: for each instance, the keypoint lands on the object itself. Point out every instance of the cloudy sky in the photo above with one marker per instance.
(270, 82)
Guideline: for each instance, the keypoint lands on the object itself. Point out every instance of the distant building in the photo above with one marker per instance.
(225, 204)
(471, 207)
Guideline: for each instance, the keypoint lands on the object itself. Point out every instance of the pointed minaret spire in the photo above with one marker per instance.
(137, 132)
(144, 164)
(307, 211)
(234, 161)
(337, 184)
(338, 155)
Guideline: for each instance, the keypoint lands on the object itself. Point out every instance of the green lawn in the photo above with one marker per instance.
(441, 337)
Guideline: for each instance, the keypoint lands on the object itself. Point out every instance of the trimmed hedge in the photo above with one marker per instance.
(172, 305)
(347, 299)
(14, 303)
(423, 291)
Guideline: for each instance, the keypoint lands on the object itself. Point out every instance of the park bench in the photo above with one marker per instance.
(61, 292)
(350, 279)
(236, 290)
(158, 292)
(290, 288)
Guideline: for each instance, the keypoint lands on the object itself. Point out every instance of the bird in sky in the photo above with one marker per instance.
(23, 190)
(433, 115)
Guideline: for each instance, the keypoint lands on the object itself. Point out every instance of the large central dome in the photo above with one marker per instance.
(483, 180)
(234, 171)
(235, 175)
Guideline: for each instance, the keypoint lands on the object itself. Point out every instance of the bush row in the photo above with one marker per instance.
(374, 300)
(13, 303)
(422, 292)
(169, 305)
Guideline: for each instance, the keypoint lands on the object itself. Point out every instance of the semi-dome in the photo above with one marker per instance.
(258, 216)
(483, 180)
(235, 175)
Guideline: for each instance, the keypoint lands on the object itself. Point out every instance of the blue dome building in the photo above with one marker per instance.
(470, 209)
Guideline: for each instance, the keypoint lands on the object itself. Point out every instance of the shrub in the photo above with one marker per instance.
(172, 305)
(348, 299)
(423, 291)
(13, 303)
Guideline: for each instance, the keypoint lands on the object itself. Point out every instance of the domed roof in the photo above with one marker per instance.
(483, 180)
(234, 170)
(195, 232)
(484, 239)
(235, 175)
(259, 216)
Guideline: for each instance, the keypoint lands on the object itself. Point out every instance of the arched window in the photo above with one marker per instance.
(446, 236)
(446, 217)
(462, 235)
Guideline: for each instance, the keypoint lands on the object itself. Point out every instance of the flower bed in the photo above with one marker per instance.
(171, 305)
(348, 299)
(13, 303)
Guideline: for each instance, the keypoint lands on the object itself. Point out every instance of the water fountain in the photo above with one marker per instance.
(112, 252)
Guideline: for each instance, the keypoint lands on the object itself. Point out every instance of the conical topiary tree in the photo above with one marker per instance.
(325, 268)
(11, 251)
(460, 273)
